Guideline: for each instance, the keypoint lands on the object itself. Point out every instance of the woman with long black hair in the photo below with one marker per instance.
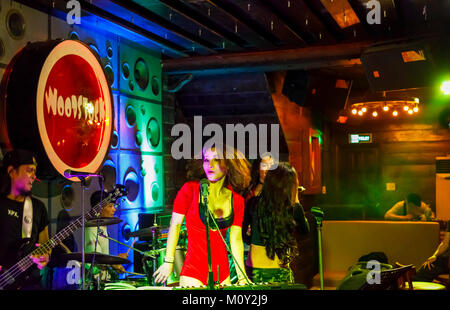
(274, 216)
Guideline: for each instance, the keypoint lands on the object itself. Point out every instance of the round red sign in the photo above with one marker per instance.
(74, 108)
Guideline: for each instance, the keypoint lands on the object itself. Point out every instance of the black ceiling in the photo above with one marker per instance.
(186, 30)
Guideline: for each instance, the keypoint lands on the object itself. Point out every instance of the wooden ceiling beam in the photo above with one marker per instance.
(204, 22)
(236, 15)
(163, 23)
(345, 54)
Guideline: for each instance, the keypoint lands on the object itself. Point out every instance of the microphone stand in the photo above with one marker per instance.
(83, 268)
(318, 219)
(83, 186)
(210, 283)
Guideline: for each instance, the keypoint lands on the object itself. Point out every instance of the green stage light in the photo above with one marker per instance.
(445, 87)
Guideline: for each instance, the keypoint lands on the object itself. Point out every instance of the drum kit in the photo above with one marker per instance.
(151, 259)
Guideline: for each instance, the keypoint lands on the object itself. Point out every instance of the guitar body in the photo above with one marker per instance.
(28, 279)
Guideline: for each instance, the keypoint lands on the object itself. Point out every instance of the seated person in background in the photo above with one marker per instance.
(274, 216)
(410, 209)
(438, 263)
(99, 244)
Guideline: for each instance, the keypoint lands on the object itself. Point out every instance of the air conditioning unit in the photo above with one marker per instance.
(443, 188)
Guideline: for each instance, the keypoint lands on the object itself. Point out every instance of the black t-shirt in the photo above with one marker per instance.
(11, 213)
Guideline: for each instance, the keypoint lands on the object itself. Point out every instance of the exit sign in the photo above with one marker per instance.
(360, 138)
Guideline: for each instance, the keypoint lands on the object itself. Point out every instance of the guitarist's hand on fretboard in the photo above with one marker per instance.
(40, 260)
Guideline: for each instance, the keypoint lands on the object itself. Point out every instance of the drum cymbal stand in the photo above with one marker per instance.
(155, 246)
(153, 254)
(150, 254)
(318, 216)
(84, 187)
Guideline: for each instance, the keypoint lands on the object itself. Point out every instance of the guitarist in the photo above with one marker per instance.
(23, 219)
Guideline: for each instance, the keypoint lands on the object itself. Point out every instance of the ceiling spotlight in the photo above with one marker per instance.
(374, 113)
(405, 107)
(354, 111)
(360, 112)
(416, 100)
(395, 113)
(385, 108)
(445, 87)
(410, 112)
(364, 109)
(416, 109)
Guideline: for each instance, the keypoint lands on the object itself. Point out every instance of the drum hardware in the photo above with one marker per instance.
(147, 232)
(103, 221)
(135, 273)
(151, 253)
(95, 257)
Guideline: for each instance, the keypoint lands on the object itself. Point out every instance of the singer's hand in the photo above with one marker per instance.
(162, 274)
(429, 262)
(243, 281)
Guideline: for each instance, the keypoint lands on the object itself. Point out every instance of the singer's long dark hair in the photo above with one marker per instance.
(233, 162)
(274, 211)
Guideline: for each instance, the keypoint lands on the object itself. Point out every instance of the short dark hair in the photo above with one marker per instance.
(14, 158)
(414, 199)
(18, 157)
(97, 197)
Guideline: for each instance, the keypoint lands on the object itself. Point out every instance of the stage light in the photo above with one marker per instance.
(385, 108)
(416, 100)
(416, 109)
(360, 112)
(395, 113)
(364, 109)
(405, 107)
(354, 111)
(374, 113)
(445, 87)
(410, 112)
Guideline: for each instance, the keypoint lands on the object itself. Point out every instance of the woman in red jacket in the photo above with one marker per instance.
(227, 172)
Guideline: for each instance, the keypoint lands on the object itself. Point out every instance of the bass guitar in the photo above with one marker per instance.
(9, 276)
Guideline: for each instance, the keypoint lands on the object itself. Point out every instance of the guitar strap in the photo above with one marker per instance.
(27, 219)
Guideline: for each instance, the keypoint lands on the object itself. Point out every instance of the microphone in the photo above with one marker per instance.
(317, 212)
(204, 184)
(78, 174)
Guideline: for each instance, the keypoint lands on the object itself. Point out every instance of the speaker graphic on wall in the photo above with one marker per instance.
(115, 133)
(405, 65)
(140, 72)
(19, 25)
(144, 178)
(140, 125)
(109, 172)
(104, 44)
(129, 224)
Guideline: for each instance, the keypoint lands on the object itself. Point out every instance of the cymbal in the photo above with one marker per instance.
(145, 232)
(99, 258)
(103, 221)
